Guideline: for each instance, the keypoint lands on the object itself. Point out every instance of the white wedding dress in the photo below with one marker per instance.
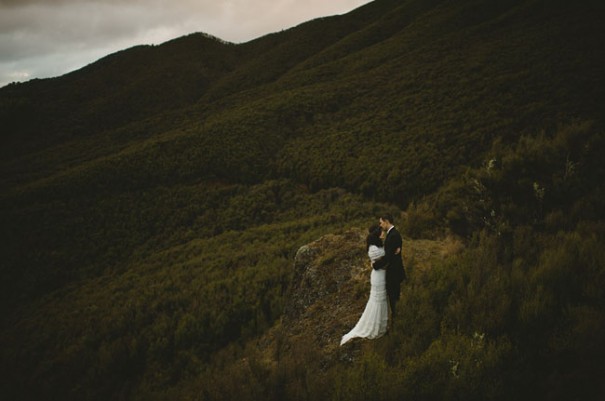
(373, 322)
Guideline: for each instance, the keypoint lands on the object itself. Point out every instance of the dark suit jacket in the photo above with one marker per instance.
(391, 261)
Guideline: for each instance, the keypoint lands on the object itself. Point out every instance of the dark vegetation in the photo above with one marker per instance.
(151, 204)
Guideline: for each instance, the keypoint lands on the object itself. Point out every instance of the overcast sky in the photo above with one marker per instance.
(46, 38)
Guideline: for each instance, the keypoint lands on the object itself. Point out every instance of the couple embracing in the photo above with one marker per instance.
(387, 275)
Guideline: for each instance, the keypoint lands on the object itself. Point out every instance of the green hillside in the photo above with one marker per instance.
(151, 203)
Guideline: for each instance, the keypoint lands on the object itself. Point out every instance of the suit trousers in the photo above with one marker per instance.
(393, 290)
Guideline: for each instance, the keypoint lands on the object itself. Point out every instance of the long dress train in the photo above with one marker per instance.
(374, 319)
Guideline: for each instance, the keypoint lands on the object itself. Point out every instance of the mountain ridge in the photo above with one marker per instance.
(412, 109)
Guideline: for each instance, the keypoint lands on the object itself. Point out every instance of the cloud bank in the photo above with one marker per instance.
(44, 38)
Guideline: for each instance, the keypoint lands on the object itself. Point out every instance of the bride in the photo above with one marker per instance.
(373, 321)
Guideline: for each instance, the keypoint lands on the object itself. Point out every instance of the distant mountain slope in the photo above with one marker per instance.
(389, 101)
(438, 94)
(410, 81)
(119, 89)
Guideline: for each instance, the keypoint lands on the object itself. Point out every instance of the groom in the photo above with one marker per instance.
(392, 261)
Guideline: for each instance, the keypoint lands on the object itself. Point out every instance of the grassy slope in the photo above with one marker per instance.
(127, 195)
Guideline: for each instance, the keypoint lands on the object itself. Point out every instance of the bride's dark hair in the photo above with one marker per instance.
(373, 237)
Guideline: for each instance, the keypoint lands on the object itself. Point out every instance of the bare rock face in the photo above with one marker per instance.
(329, 289)
(323, 268)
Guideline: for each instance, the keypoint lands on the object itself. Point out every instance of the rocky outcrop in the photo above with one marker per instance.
(329, 290)
(324, 270)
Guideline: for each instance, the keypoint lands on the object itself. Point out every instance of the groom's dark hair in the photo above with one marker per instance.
(388, 217)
